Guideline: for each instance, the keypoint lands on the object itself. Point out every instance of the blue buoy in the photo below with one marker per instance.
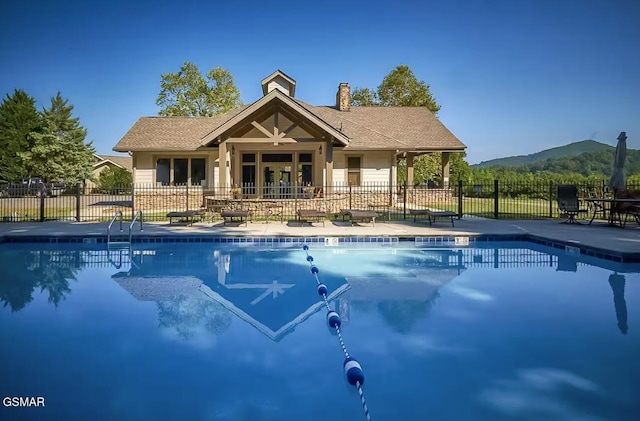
(305, 247)
(314, 269)
(322, 289)
(309, 258)
(334, 319)
(353, 371)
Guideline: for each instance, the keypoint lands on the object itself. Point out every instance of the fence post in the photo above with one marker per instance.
(350, 186)
(495, 199)
(404, 200)
(133, 203)
(296, 190)
(460, 198)
(550, 199)
(78, 202)
(42, 194)
(187, 196)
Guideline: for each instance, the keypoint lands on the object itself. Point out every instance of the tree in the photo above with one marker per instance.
(364, 97)
(401, 88)
(187, 93)
(113, 178)
(59, 152)
(18, 119)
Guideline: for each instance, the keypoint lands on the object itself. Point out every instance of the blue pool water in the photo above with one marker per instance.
(217, 332)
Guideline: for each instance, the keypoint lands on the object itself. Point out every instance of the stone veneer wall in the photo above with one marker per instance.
(166, 200)
(430, 197)
(176, 199)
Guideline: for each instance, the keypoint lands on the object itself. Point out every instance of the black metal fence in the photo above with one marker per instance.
(496, 200)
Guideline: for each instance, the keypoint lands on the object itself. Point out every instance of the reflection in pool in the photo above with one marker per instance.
(205, 331)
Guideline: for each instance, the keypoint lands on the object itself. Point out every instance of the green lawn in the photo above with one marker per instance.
(33, 214)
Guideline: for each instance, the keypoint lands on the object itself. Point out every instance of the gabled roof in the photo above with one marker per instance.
(272, 96)
(274, 75)
(124, 162)
(361, 128)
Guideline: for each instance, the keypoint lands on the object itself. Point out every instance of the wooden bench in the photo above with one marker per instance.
(189, 216)
(356, 215)
(304, 215)
(432, 215)
(229, 215)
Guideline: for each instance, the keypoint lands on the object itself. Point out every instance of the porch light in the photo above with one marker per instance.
(233, 150)
(320, 149)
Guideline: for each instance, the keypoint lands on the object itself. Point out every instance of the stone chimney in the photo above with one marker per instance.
(343, 97)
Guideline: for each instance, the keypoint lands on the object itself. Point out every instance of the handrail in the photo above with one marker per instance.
(115, 215)
(133, 221)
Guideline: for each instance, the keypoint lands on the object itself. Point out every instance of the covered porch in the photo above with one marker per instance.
(274, 149)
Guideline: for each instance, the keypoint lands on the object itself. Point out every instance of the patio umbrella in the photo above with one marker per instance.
(617, 180)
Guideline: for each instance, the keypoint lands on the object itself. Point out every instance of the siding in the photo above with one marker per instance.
(376, 167)
(280, 84)
(144, 168)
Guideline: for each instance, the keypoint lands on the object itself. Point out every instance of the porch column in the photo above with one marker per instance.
(393, 178)
(445, 170)
(222, 168)
(211, 165)
(328, 146)
(410, 157)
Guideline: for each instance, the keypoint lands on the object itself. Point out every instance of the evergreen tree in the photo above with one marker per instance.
(59, 152)
(18, 119)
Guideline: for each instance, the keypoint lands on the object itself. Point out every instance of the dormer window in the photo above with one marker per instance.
(280, 81)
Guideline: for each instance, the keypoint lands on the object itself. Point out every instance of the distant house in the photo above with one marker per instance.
(108, 161)
(280, 139)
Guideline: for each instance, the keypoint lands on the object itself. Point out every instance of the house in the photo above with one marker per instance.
(108, 161)
(280, 140)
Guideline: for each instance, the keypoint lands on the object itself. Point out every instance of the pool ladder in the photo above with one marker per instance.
(118, 216)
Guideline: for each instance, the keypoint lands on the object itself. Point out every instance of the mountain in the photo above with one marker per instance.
(566, 151)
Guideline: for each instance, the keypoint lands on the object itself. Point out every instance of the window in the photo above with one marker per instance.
(197, 171)
(277, 157)
(184, 171)
(354, 166)
(305, 177)
(305, 169)
(180, 171)
(248, 157)
(249, 179)
(163, 172)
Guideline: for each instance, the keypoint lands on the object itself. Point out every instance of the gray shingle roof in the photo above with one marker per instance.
(124, 161)
(403, 128)
(170, 133)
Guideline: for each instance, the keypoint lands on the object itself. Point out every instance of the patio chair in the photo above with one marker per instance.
(357, 215)
(626, 209)
(307, 215)
(188, 216)
(238, 216)
(433, 214)
(569, 204)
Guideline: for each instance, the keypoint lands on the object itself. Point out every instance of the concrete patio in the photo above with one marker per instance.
(598, 235)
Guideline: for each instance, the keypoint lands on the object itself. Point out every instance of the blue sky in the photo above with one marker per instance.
(512, 77)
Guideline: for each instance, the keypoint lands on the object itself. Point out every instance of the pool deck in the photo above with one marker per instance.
(597, 236)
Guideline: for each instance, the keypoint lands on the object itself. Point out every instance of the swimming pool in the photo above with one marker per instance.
(228, 332)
